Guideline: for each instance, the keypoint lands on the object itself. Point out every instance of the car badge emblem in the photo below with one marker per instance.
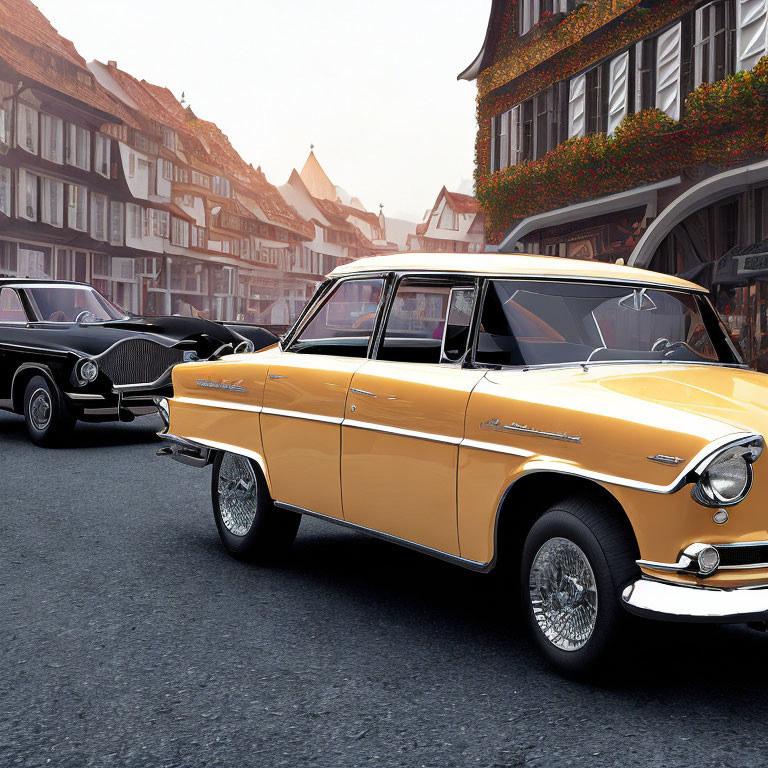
(225, 386)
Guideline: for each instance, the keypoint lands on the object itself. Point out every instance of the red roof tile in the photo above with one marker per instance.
(461, 203)
(33, 48)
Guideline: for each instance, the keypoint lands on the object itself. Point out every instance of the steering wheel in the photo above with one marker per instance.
(83, 316)
(656, 344)
(57, 317)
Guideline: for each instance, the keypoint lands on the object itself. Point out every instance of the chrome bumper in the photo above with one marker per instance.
(185, 451)
(678, 602)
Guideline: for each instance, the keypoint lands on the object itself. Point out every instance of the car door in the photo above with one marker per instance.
(305, 396)
(405, 416)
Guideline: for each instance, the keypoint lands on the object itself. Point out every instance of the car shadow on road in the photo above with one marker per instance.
(88, 435)
(711, 666)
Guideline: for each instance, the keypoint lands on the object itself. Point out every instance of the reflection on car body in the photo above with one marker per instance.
(592, 424)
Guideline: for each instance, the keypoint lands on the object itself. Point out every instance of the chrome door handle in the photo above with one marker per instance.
(361, 392)
(276, 376)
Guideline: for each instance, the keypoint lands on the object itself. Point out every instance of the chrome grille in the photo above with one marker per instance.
(742, 555)
(138, 361)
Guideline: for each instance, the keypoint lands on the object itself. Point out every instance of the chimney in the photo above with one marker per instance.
(112, 64)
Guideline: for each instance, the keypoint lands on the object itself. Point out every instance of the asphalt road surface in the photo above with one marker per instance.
(128, 637)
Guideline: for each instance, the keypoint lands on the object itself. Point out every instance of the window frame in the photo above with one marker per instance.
(453, 280)
(324, 293)
(21, 302)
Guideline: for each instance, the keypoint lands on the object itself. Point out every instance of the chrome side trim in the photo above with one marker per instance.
(742, 544)
(361, 392)
(666, 601)
(750, 567)
(472, 565)
(227, 406)
(660, 458)
(301, 415)
(496, 448)
(402, 432)
(83, 396)
(495, 425)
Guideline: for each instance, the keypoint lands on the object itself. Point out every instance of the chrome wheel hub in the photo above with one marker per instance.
(563, 594)
(238, 493)
(40, 409)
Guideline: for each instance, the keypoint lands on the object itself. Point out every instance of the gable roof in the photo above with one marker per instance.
(317, 181)
(34, 49)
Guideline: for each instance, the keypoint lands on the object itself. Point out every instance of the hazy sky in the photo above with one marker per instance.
(371, 84)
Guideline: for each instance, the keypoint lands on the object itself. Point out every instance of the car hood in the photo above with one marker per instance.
(708, 402)
(93, 339)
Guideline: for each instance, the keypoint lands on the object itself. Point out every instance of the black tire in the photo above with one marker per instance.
(263, 533)
(49, 420)
(610, 551)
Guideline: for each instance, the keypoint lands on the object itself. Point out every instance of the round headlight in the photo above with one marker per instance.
(726, 480)
(88, 371)
(708, 560)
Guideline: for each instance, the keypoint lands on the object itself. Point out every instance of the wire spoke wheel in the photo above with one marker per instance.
(563, 594)
(238, 493)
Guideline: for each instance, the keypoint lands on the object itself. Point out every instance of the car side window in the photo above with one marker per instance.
(344, 323)
(11, 309)
(428, 323)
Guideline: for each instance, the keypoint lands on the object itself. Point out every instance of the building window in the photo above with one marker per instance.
(201, 179)
(449, 219)
(245, 248)
(78, 147)
(198, 237)
(52, 138)
(157, 223)
(168, 174)
(135, 219)
(99, 208)
(131, 165)
(169, 138)
(181, 175)
(5, 117)
(645, 75)
(52, 203)
(5, 191)
(77, 207)
(714, 45)
(597, 92)
(28, 188)
(180, 232)
(102, 155)
(116, 215)
(27, 127)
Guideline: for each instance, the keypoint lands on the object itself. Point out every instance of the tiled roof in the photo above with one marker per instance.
(33, 48)
(143, 97)
(461, 203)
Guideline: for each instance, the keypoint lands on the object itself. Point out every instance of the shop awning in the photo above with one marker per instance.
(602, 206)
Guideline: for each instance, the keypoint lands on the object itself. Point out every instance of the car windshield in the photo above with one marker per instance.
(71, 304)
(550, 323)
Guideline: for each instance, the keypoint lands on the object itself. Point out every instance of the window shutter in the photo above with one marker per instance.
(576, 104)
(668, 91)
(751, 16)
(504, 141)
(618, 94)
(514, 135)
(494, 145)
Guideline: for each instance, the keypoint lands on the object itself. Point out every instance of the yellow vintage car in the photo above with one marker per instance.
(591, 425)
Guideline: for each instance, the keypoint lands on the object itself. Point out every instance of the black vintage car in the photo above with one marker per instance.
(68, 354)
